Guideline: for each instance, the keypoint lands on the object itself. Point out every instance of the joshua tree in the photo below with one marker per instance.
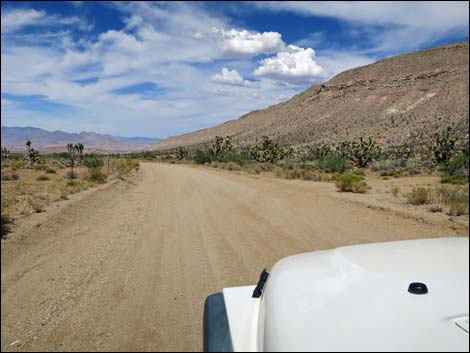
(72, 149)
(79, 148)
(5, 153)
(32, 156)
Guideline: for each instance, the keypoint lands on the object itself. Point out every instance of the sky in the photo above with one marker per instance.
(157, 69)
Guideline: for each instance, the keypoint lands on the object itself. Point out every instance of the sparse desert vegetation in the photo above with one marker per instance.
(349, 164)
(31, 181)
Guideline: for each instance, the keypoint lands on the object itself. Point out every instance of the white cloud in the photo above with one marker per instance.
(230, 77)
(13, 20)
(398, 25)
(236, 44)
(293, 65)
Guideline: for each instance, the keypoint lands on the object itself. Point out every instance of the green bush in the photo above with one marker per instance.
(352, 183)
(332, 164)
(201, 157)
(43, 178)
(50, 170)
(457, 166)
(453, 179)
(235, 158)
(93, 163)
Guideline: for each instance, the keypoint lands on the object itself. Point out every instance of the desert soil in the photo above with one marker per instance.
(126, 267)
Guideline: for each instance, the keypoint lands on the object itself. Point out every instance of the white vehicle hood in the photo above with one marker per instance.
(356, 299)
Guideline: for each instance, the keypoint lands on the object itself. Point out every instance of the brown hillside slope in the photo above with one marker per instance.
(403, 98)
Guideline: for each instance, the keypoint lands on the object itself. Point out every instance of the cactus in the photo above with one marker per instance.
(5, 153)
(181, 153)
(443, 146)
(361, 152)
(219, 148)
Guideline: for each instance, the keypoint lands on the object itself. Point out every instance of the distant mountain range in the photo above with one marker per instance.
(406, 98)
(55, 141)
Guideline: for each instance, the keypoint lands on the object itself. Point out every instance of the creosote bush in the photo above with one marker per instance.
(352, 183)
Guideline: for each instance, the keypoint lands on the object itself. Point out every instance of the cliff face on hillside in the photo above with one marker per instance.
(404, 98)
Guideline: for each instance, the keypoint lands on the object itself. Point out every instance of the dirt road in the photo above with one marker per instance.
(128, 267)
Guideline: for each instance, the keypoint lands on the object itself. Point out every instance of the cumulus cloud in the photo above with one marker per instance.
(236, 44)
(294, 65)
(230, 77)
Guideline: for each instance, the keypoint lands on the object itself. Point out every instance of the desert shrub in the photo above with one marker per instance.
(233, 166)
(72, 183)
(351, 182)
(332, 164)
(399, 152)
(124, 166)
(96, 175)
(420, 196)
(43, 178)
(386, 165)
(17, 165)
(453, 179)
(456, 169)
(93, 163)
(41, 166)
(395, 191)
(11, 176)
(5, 223)
(235, 158)
(181, 153)
(413, 166)
(443, 146)
(458, 208)
(359, 171)
(252, 169)
(37, 208)
(201, 157)
(71, 176)
(268, 152)
(50, 170)
(455, 197)
(435, 208)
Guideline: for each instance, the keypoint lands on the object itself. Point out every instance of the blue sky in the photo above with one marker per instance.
(158, 69)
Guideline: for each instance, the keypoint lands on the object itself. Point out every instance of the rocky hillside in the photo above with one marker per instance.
(55, 141)
(403, 98)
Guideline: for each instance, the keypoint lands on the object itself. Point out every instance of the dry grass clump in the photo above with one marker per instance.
(452, 198)
(96, 175)
(395, 191)
(420, 196)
